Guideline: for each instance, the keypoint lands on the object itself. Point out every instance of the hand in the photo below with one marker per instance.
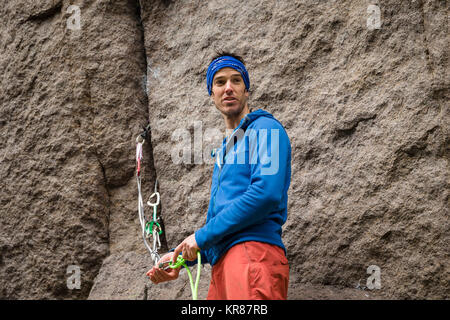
(188, 248)
(158, 275)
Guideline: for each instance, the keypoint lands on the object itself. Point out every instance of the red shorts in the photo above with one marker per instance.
(250, 271)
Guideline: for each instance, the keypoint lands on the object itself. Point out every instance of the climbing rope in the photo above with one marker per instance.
(149, 228)
(181, 262)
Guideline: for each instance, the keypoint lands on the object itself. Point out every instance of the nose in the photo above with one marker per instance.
(228, 88)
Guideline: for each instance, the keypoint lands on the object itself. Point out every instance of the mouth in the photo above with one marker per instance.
(229, 99)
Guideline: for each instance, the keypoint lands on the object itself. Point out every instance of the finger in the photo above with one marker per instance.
(166, 257)
(191, 254)
(177, 252)
(185, 254)
(173, 273)
(194, 253)
(153, 279)
(158, 276)
(162, 275)
(151, 271)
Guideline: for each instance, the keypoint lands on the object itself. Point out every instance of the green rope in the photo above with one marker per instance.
(181, 262)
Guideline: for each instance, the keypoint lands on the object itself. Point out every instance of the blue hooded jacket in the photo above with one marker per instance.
(249, 187)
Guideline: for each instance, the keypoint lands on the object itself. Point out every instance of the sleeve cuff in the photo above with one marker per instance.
(200, 239)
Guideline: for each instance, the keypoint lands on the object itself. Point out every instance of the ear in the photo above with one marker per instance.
(247, 93)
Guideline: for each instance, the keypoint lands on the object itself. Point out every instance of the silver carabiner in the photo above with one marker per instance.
(155, 204)
(140, 139)
(156, 193)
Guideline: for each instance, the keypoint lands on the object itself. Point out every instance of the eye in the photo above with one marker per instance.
(219, 82)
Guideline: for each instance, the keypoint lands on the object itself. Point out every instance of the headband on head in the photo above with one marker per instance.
(223, 62)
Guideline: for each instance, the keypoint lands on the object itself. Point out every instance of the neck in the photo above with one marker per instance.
(232, 121)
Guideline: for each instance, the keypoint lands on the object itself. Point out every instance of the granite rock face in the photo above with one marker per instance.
(361, 87)
(71, 102)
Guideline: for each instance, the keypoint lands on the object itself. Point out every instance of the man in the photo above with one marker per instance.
(248, 203)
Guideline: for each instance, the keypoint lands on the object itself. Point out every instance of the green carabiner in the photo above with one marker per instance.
(149, 227)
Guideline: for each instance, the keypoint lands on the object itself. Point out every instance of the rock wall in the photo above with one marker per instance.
(365, 107)
(71, 102)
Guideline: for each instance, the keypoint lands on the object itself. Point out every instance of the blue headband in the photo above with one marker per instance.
(223, 62)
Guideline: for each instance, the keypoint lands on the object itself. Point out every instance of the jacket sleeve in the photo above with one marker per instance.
(264, 194)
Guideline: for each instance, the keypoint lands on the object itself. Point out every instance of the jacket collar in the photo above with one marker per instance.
(243, 124)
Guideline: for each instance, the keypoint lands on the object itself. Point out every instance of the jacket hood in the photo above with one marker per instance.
(252, 116)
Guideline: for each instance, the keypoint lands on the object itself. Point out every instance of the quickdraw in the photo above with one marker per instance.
(149, 228)
(153, 228)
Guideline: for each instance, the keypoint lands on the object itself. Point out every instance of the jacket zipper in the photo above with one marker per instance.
(220, 168)
(217, 189)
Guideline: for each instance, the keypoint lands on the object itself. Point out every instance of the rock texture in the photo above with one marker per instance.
(71, 102)
(366, 110)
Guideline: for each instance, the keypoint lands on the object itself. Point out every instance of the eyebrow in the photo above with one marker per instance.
(233, 75)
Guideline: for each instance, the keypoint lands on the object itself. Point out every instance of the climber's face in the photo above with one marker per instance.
(229, 93)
